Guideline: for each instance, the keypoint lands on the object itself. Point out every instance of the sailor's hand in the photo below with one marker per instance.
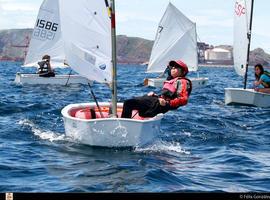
(256, 83)
(151, 94)
(162, 102)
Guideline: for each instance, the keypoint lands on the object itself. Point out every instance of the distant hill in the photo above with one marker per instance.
(133, 49)
(13, 43)
(259, 56)
(130, 50)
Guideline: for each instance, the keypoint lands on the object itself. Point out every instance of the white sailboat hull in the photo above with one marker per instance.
(158, 82)
(109, 132)
(57, 80)
(247, 97)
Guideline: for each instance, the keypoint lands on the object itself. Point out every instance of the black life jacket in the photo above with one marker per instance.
(43, 66)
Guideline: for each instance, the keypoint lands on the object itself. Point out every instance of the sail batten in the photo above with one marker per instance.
(176, 38)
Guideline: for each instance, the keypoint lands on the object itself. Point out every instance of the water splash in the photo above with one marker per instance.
(162, 146)
(44, 135)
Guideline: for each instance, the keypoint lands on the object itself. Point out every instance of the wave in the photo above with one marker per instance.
(43, 134)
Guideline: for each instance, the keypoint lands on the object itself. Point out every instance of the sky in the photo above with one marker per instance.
(139, 18)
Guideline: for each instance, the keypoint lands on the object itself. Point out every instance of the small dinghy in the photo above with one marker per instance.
(48, 39)
(90, 50)
(176, 38)
(242, 38)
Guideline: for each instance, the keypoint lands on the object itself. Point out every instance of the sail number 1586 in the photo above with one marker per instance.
(45, 30)
(41, 23)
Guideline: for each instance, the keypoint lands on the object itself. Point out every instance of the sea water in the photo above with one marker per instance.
(203, 147)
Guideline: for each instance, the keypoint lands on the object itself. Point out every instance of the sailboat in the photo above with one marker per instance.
(90, 47)
(47, 39)
(243, 15)
(176, 38)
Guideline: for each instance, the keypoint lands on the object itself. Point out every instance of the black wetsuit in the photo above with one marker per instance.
(147, 106)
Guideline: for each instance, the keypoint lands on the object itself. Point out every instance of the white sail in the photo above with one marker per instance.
(242, 14)
(87, 35)
(176, 38)
(46, 37)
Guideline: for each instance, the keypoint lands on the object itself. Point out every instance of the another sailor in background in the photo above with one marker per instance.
(175, 93)
(167, 72)
(45, 69)
(262, 82)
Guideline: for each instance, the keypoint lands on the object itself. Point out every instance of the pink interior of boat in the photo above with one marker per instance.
(90, 113)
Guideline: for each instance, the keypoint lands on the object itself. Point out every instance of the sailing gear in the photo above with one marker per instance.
(177, 91)
(267, 73)
(43, 66)
(179, 64)
(147, 106)
(44, 70)
(47, 74)
(265, 77)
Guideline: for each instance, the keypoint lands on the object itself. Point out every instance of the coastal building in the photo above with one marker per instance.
(218, 56)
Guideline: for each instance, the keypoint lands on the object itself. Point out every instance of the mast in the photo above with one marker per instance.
(249, 39)
(114, 78)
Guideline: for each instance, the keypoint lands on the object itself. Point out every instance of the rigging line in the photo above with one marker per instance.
(198, 37)
(249, 41)
(68, 77)
(95, 99)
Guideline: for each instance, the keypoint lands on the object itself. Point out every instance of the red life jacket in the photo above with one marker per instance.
(173, 85)
(177, 91)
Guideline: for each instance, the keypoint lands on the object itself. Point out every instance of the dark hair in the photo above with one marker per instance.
(46, 57)
(261, 69)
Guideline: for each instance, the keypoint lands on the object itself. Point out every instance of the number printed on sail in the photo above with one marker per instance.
(45, 30)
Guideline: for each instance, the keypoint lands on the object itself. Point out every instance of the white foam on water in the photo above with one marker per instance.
(161, 146)
(45, 135)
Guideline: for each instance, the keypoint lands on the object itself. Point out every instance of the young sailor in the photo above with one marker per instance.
(45, 69)
(262, 82)
(175, 93)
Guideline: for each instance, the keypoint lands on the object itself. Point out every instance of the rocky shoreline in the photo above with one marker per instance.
(130, 50)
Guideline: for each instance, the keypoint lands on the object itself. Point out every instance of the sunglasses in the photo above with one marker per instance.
(174, 67)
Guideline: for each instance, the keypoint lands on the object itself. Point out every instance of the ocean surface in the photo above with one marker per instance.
(202, 147)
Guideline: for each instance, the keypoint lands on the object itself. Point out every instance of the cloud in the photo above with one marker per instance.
(140, 16)
(18, 14)
(12, 6)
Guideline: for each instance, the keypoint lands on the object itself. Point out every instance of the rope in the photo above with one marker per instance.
(94, 97)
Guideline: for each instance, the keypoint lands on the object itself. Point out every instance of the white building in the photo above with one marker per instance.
(218, 54)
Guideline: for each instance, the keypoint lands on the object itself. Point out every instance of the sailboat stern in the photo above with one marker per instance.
(33, 79)
(105, 131)
(249, 97)
(196, 82)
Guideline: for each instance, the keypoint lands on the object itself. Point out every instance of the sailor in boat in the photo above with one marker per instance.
(168, 72)
(45, 69)
(262, 82)
(175, 93)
